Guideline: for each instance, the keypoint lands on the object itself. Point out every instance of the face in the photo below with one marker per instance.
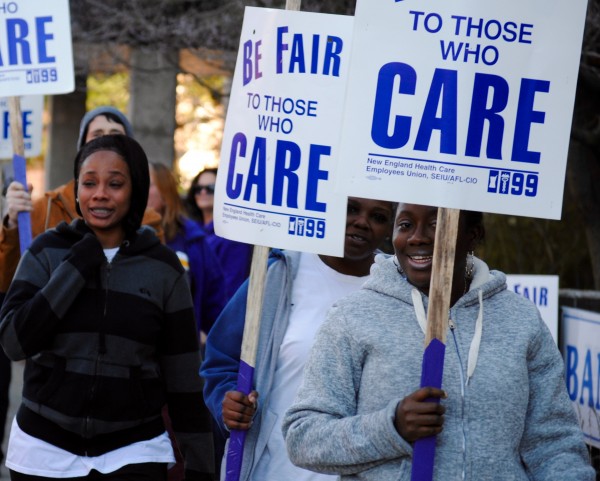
(100, 126)
(414, 237)
(155, 199)
(104, 195)
(204, 198)
(368, 223)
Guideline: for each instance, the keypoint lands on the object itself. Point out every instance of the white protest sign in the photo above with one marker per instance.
(276, 177)
(464, 104)
(36, 55)
(543, 292)
(581, 349)
(32, 108)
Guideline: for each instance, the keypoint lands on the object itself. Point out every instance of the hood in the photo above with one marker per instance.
(386, 279)
(92, 114)
(144, 239)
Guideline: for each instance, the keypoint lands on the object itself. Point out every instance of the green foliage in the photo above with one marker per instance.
(104, 89)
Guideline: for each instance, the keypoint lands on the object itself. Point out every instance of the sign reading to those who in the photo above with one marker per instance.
(35, 48)
(463, 104)
(276, 175)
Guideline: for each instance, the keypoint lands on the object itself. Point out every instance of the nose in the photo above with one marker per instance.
(421, 235)
(99, 192)
(360, 220)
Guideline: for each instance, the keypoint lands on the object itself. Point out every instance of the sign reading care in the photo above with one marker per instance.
(35, 48)
(581, 349)
(277, 168)
(464, 104)
(32, 108)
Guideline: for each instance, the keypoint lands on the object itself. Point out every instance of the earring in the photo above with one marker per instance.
(398, 267)
(470, 267)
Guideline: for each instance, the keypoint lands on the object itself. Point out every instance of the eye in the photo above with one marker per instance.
(381, 218)
(352, 209)
(403, 225)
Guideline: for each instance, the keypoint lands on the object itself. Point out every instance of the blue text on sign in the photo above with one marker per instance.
(489, 99)
(300, 54)
(582, 389)
(248, 177)
(26, 120)
(25, 45)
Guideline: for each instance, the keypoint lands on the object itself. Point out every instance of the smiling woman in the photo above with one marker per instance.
(359, 409)
(300, 288)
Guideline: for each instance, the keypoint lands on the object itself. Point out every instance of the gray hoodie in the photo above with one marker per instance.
(508, 416)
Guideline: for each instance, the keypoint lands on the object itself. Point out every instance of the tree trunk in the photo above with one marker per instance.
(152, 102)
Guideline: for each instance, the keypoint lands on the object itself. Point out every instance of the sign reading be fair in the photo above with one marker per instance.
(35, 48)
(464, 104)
(276, 177)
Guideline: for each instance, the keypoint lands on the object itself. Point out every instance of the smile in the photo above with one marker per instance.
(357, 237)
(421, 260)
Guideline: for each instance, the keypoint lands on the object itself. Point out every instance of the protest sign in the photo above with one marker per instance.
(32, 107)
(581, 348)
(36, 55)
(460, 105)
(275, 182)
(463, 104)
(276, 176)
(543, 292)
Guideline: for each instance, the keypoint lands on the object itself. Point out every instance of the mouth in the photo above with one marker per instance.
(357, 238)
(420, 261)
(101, 212)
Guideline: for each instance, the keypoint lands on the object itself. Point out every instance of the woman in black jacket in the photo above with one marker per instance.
(102, 313)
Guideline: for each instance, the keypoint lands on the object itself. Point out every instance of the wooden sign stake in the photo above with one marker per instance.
(19, 166)
(258, 271)
(440, 290)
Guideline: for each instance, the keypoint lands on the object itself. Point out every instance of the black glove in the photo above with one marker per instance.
(86, 255)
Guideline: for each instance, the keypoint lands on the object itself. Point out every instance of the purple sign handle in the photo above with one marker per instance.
(23, 218)
(432, 371)
(235, 451)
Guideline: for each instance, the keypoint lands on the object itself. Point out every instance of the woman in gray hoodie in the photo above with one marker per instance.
(504, 412)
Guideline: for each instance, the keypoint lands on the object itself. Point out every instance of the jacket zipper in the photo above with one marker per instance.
(462, 395)
(101, 344)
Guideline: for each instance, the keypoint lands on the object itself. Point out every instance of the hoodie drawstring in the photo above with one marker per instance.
(475, 342)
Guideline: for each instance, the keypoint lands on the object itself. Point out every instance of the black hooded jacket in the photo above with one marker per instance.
(107, 345)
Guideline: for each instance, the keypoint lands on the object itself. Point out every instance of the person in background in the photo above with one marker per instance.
(189, 242)
(504, 412)
(235, 257)
(102, 313)
(48, 211)
(299, 289)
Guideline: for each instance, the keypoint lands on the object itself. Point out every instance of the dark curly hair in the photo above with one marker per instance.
(135, 158)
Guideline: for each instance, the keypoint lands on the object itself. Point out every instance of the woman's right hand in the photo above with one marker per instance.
(17, 200)
(239, 409)
(418, 417)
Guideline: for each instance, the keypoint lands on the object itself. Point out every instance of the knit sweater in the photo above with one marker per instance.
(106, 345)
(511, 419)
